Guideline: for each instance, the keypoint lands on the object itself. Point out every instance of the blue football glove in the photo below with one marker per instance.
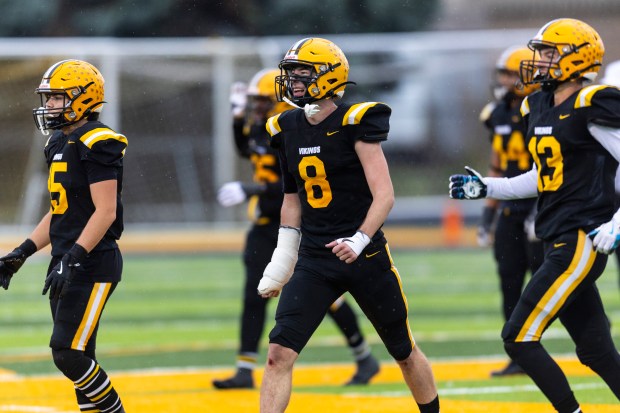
(606, 238)
(470, 186)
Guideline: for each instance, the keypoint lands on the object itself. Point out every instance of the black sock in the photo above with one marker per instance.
(432, 407)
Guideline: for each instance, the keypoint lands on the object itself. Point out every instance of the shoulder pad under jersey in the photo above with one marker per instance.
(372, 120)
(525, 107)
(487, 110)
(103, 145)
(585, 96)
(274, 129)
(602, 103)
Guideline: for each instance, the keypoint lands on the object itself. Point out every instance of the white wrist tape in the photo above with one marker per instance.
(279, 270)
(357, 242)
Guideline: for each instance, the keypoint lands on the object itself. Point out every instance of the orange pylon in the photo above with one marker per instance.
(452, 224)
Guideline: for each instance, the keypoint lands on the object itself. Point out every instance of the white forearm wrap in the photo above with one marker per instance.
(357, 242)
(522, 186)
(279, 270)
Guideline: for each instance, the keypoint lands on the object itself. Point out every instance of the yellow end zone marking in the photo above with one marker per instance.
(191, 390)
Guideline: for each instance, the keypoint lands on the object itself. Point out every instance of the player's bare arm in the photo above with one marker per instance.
(104, 198)
(378, 177)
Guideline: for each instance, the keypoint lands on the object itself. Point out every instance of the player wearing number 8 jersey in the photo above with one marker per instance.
(574, 137)
(252, 141)
(337, 194)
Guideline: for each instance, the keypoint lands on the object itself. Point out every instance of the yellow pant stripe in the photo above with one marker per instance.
(95, 305)
(402, 293)
(560, 290)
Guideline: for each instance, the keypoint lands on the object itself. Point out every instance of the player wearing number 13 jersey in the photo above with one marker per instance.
(574, 137)
(565, 152)
(337, 194)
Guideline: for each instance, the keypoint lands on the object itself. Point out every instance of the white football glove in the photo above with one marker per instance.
(280, 268)
(238, 98)
(357, 242)
(606, 238)
(231, 193)
(483, 237)
(529, 227)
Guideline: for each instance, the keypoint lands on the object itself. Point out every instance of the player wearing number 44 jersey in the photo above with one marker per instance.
(573, 130)
(337, 194)
(85, 161)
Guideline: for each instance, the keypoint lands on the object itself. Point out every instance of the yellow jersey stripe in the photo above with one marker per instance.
(562, 288)
(272, 125)
(402, 293)
(525, 107)
(584, 98)
(356, 112)
(99, 134)
(91, 316)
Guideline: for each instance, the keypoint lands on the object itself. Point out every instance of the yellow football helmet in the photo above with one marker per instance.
(263, 84)
(82, 87)
(330, 71)
(578, 51)
(510, 61)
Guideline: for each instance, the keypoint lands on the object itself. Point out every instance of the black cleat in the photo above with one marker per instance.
(241, 380)
(511, 369)
(366, 370)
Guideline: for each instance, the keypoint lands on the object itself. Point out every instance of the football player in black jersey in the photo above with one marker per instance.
(514, 250)
(612, 78)
(251, 108)
(573, 130)
(337, 194)
(85, 161)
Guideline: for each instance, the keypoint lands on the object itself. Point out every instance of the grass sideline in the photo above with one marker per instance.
(181, 312)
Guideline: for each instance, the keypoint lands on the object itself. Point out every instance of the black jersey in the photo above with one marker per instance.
(508, 141)
(575, 173)
(320, 164)
(90, 154)
(252, 142)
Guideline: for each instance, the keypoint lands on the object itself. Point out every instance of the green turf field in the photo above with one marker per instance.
(183, 312)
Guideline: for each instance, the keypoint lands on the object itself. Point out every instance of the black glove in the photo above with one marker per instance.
(59, 279)
(13, 261)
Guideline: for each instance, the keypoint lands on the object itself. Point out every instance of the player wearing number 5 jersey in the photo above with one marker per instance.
(337, 194)
(85, 161)
(573, 130)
